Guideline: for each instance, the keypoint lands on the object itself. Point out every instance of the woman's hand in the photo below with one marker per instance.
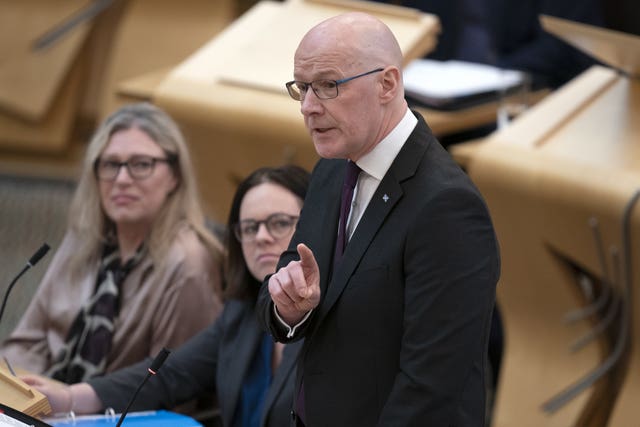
(80, 398)
(58, 394)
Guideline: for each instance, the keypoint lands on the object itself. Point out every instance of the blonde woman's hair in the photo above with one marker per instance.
(87, 220)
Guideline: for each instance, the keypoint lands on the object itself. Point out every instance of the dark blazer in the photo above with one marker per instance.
(400, 335)
(215, 360)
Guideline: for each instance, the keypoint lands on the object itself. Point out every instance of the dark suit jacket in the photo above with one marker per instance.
(215, 360)
(400, 335)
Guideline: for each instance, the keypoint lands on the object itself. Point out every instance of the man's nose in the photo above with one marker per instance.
(310, 103)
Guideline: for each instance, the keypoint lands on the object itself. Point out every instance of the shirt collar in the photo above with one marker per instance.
(378, 161)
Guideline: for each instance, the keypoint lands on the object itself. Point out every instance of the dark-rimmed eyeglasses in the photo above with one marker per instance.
(323, 88)
(278, 225)
(139, 167)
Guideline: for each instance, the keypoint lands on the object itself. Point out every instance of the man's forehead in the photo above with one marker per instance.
(318, 68)
(322, 57)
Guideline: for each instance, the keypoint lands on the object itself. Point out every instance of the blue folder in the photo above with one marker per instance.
(145, 418)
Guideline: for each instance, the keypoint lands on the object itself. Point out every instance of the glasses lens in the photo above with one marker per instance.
(280, 225)
(107, 169)
(246, 231)
(325, 89)
(140, 167)
(296, 90)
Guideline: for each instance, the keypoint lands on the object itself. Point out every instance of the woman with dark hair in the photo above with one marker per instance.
(252, 376)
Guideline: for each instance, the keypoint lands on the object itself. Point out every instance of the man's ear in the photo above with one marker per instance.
(391, 82)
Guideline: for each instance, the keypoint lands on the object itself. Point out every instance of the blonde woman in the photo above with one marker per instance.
(137, 269)
(252, 376)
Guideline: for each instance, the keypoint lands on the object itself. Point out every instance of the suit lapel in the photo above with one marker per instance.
(385, 198)
(372, 219)
(325, 217)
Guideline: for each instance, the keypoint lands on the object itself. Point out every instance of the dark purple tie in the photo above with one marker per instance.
(350, 180)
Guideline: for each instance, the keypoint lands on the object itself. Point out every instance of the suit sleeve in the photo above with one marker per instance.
(451, 266)
(265, 307)
(188, 372)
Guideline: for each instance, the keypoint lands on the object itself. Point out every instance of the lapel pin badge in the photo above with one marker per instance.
(385, 198)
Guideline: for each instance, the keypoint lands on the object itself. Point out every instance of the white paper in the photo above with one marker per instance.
(455, 79)
(7, 421)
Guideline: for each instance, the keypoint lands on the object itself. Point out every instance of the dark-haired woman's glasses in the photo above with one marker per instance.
(278, 225)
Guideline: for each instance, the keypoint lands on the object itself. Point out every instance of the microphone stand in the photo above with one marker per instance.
(152, 370)
(32, 261)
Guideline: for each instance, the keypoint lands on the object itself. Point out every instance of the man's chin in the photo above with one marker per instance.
(327, 149)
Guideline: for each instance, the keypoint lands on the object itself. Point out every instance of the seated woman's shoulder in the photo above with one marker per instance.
(190, 247)
(194, 258)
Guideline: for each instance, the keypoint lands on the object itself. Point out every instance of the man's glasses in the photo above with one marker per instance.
(324, 88)
(139, 167)
(278, 225)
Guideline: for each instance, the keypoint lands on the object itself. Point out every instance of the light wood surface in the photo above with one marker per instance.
(54, 97)
(18, 395)
(26, 90)
(447, 122)
(157, 35)
(615, 49)
(572, 159)
(39, 89)
(229, 96)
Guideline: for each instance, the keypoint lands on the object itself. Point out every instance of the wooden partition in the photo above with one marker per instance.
(230, 100)
(20, 396)
(563, 187)
(55, 90)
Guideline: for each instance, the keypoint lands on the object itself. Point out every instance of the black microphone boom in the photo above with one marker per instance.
(152, 370)
(32, 261)
(158, 361)
(38, 255)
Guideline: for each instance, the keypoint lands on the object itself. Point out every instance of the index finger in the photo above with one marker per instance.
(307, 259)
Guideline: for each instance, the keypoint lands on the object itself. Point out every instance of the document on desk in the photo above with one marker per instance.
(7, 421)
(10, 417)
(451, 85)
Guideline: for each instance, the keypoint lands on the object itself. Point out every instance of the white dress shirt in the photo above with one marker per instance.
(374, 165)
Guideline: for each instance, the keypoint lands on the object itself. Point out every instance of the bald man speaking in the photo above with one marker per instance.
(390, 276)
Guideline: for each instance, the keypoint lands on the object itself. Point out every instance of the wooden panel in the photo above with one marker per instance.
(569, 163)
(229, 97)
(157, 35)
(20, 396)
(616, 49)
(30, 78)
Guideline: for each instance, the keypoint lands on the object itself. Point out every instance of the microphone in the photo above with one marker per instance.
(32, 261)
(152, 370)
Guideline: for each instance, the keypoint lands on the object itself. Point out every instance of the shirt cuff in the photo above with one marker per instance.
(291, 331)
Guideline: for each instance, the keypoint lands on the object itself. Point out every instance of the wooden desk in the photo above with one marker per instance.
(448, 122)
(52, 98)
(18, 395)
(570, 162)
(230, 100)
